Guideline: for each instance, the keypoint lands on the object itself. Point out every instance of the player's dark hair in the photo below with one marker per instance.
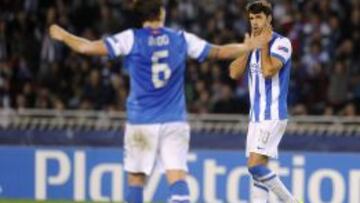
(148, 10)
(260, 7)
(257, 7)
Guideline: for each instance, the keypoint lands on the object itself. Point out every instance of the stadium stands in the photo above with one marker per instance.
(36, 72)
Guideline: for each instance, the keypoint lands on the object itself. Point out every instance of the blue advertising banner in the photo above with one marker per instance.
(215, 176)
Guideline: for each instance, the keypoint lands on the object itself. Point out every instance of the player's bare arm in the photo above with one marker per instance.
(228, 51)
(238, 66)
(233, 51)
(270, 65)
(78, 44)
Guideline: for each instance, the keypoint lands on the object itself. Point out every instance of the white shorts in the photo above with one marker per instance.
(147, 144)
(264, 137)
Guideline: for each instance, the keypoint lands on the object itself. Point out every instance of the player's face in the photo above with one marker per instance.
(258, 22)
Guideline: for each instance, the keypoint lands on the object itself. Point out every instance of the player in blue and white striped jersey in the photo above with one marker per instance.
(268, 91)
(157, 127)
(268, 72)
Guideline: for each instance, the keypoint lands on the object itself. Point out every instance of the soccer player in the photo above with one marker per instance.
(157, 127)
(268, 70)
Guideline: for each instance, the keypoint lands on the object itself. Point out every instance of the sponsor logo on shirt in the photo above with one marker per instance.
(284, 49)
(255, 68)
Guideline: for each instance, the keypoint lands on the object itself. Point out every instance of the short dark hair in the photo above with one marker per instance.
(148, 10)
(259, 6)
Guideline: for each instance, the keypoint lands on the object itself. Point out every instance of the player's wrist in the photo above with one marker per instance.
(64, 36)
(252, 47)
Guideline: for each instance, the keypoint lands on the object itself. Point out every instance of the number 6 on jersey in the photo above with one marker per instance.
(160, 69)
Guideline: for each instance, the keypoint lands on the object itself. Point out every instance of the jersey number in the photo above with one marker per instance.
(161, 72)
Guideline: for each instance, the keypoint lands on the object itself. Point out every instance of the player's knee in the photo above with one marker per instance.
(251, 163)
(257, 165)
(257, 159)
(136, 179)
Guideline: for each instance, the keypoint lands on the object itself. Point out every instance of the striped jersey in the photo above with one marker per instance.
(155, 60)
(268, 96)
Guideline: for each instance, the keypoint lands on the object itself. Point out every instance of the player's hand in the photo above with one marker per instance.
(251, 42)
(254, 42)
(266, 34)
(259, 41)
(57, 33)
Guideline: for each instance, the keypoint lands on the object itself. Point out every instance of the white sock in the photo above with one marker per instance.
(274, 184)
(259, 192)
(263, 174)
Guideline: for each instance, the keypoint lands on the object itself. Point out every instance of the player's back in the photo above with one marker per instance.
(155, 59)
(156, 66)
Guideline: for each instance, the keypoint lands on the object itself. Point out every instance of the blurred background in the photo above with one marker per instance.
(39, 73)
(50, 96)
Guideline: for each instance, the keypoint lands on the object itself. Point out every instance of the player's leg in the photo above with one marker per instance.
(266, 138)
(263, 176)
(140, 145)
(259, 191)
(174, 147)
(136, 182)
(179, 190)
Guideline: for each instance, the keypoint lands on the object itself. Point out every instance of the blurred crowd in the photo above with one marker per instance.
(36, 72)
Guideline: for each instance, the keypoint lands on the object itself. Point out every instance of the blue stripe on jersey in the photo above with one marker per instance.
(257, 99)
(284, 77)
(257, 81)
(257, 56)
(111, 53)
(205, 53)
(268, 89)
(279, 57)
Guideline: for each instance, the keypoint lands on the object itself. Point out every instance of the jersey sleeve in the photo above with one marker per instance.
(197, 48)
(281, 49)
(120, 44)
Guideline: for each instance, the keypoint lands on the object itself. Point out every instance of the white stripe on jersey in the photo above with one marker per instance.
(275, 97)
(195, 45)
(121, 43)
(262, 91)
(252, 96)
(252, 88)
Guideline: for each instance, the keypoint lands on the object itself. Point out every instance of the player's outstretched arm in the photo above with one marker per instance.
(233, 51)
(78, 44)
(228, 51)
